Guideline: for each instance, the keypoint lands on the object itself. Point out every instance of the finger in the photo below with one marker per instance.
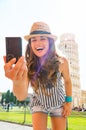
(9, 64)
(66, 113)
(25, 75)
(22, 71)
(19, 68)
(20, 61)
(9, 67)
(19, 64)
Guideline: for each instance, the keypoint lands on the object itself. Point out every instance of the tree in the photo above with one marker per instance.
(8, 96)
(3, 98)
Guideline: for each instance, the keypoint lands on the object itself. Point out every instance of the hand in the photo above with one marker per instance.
(18, 74)
(16, 71)
(67, 109)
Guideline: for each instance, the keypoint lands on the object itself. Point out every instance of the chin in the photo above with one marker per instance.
(40, 55)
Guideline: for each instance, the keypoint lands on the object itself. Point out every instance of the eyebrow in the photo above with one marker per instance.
(40, 36)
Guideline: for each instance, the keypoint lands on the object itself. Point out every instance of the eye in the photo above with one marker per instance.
(33, 40)
(43, 38)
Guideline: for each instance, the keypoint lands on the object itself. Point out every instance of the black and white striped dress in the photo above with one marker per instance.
(56, 98)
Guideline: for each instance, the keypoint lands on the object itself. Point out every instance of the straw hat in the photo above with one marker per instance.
(40, 29)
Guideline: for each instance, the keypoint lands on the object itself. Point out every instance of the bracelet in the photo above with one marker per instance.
(68, 99)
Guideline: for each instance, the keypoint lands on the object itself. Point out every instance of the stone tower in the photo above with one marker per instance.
(69, 48)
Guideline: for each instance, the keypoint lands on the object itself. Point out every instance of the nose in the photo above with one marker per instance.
(39, 42)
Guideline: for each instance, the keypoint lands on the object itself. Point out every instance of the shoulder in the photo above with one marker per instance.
(63, 64)
(64, 68)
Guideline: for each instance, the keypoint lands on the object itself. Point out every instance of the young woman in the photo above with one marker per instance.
(48, 74)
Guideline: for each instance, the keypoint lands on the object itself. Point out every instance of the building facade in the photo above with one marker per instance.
(83, 98)
(69, 48)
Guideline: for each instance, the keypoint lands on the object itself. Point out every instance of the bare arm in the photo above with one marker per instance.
(64, 68)
(18, 75)
(67, 79)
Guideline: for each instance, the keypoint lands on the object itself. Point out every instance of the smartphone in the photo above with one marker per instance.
(13, 48)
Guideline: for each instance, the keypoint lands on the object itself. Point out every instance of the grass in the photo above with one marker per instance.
(16, 115)
(77, 120)
(77, 123)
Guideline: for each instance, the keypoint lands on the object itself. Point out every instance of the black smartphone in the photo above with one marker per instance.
(13, 48)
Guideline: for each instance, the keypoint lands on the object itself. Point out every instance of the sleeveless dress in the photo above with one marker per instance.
(54, 100)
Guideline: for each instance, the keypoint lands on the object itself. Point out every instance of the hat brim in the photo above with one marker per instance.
(27, 37)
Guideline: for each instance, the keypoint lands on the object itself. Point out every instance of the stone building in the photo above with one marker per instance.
(69, 48)
(83, 98)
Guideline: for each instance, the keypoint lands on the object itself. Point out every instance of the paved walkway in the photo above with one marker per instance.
(12, 126)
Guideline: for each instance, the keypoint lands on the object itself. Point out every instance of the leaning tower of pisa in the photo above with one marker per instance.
(69, 48)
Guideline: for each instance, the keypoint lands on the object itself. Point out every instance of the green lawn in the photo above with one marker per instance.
(77, 120)
(16, 115)
(77, 123)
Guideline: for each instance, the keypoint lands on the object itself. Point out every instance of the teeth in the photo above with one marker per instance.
(39, 48)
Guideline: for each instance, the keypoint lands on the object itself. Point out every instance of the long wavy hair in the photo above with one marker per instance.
(44, 75)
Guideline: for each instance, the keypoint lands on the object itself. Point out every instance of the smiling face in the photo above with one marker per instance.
(40, 45)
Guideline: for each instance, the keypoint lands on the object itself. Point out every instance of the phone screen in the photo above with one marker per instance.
(13, 48)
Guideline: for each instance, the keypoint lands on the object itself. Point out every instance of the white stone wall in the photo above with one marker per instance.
(69, 48)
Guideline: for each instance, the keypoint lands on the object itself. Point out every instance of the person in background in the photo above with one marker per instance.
(48, 74)
(8, 106)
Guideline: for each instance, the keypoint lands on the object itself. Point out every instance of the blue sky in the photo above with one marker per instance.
(63, 16)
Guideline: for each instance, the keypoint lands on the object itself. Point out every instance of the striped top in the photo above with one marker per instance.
(55, 99)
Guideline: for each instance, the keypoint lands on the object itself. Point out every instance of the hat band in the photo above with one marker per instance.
(39, 32)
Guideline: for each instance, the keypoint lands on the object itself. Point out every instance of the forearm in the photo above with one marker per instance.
(20, 90)
(68, 99)
(68, 87)
(18, 73)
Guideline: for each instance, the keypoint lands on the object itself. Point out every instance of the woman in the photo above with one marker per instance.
(48, 74)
